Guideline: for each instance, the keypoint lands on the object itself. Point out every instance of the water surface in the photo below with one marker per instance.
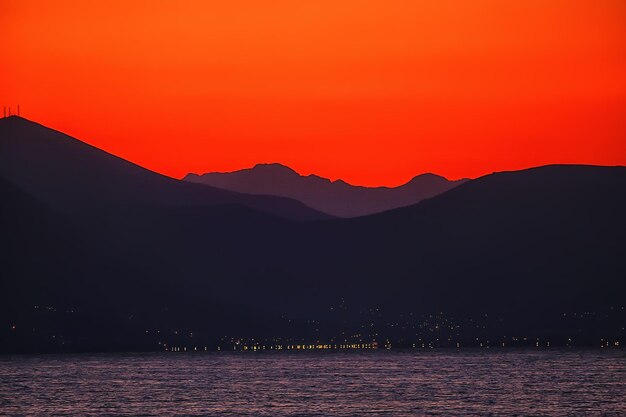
(380, 383)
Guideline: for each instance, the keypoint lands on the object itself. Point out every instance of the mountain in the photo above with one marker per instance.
(546, 236)
(75, 177)
(533, 255)
(337, 198)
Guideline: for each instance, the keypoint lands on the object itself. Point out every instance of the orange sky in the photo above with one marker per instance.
(373, 92)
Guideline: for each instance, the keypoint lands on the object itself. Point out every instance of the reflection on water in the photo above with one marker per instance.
(386, 383)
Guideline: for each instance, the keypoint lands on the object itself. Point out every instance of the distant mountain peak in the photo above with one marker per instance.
(274, 167)
(335, 197)
(427, 176)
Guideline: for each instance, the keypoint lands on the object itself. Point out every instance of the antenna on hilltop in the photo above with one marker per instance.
(5, 111)
(18, 110)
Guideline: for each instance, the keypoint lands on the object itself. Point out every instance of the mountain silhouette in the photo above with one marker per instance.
(542, 236)
(75, 177)
(337, 198)
(517, 250)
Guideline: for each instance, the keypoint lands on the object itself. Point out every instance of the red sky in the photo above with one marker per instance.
(373, 92)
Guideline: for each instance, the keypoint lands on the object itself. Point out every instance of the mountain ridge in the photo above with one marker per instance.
(53, 166)
(278, 167)
(337, 197)
(500, 257)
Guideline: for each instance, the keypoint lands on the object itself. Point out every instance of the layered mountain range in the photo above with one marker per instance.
(74, 177)
(101, 254)
(336, 198)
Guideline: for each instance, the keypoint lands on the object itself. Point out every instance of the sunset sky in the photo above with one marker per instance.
(373, 92)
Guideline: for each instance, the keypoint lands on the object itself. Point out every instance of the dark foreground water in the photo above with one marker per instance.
(386, 383)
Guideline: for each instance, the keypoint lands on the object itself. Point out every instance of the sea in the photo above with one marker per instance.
(437, 382)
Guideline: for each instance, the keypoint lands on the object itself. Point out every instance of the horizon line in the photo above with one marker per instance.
(331, 180)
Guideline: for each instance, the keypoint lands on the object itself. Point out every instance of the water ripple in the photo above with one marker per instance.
(417, 383)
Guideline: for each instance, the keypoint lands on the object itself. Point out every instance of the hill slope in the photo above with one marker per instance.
(73, 176)
(548, 235)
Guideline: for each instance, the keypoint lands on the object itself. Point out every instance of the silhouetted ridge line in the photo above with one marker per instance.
(76, 177)
(334, 197)
(534, 255)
